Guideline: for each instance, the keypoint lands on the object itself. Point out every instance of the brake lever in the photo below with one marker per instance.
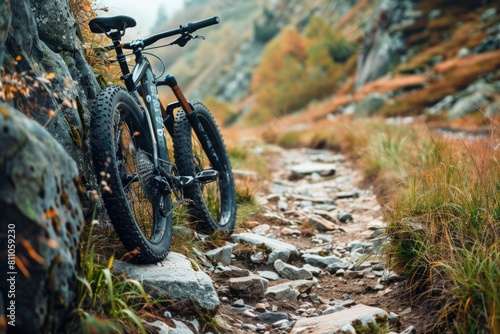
(184, 38)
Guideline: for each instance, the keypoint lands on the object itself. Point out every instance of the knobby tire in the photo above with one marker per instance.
(142, 219)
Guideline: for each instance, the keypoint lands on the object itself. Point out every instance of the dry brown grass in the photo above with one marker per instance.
(455, 73)
(385, 85)
(465, 36)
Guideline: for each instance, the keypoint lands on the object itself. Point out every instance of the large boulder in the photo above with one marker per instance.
(176, 278)
(40, 226)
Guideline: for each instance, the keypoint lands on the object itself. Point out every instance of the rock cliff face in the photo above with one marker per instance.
(47, 78)
(43, 39)
(384, 42)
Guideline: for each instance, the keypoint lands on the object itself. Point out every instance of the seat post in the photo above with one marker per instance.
(122, 61)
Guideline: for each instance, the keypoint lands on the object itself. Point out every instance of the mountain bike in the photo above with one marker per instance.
(128, 136)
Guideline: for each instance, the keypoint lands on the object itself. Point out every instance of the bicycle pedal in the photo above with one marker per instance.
(207, 176)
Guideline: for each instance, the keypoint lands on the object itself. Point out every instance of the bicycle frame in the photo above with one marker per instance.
(156, 116)
(147, 99)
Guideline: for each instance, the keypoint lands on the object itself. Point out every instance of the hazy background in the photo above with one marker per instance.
(145, 12)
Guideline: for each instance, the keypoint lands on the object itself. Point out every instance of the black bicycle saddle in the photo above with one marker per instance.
(101, 25)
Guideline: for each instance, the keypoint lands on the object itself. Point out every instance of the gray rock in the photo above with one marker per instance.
(324, 238)
(232, 271)
(344, 216)
(333, 309)
(290, 231)
(360, 247)
(315, 271)
(253, 285)
(409, 330)
(250, 327)
(390, 276)
(376, 225)
(177, 277)
(302, 286)
(258, 257)
(287, 326)
(160, 326)
(333, 268)
(308, 168)
(291, 272)
(324, 261)
(463, 52)
(466, 105)
(261, 229)
(347, 194)
(282, 292)
(39, 201)
(435, 13)
(489, 43)
(221, 255)
(493, 109)
(178, 328)
(271, 317)
(269, 275)
(280, 250)
(370, 105)
(445, 104)
(376, 234)
(239, 303)
(321, 224)
(282, 205)
(353, 274)
(489, 14)
(333, 322)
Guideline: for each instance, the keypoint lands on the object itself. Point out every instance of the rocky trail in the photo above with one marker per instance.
(310, 263)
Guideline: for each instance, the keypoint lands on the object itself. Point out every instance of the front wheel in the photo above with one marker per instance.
(122, 148)
(213, 205)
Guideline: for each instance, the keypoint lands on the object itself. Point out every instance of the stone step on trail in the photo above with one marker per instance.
(279, 249)
(176, 278)
(342, 320)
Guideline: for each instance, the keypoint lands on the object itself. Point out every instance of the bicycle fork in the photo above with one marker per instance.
(207, 175)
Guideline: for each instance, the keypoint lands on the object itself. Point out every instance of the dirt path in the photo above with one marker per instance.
(313, 204)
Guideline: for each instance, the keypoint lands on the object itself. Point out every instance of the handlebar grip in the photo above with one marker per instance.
(193, 26)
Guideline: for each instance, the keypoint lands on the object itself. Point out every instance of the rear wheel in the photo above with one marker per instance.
(213, 204)
(122, 149)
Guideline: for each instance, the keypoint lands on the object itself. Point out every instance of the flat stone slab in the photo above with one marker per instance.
(325, 261)
(288, 291)
(308, 168)
(331, 323)
(280, 250)
(252, 285)
(176, 277)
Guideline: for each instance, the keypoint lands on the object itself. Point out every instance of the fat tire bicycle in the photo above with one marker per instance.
(130, 154)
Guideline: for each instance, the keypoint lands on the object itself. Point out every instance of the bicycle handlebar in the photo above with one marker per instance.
(193, 26)
(188, 28)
